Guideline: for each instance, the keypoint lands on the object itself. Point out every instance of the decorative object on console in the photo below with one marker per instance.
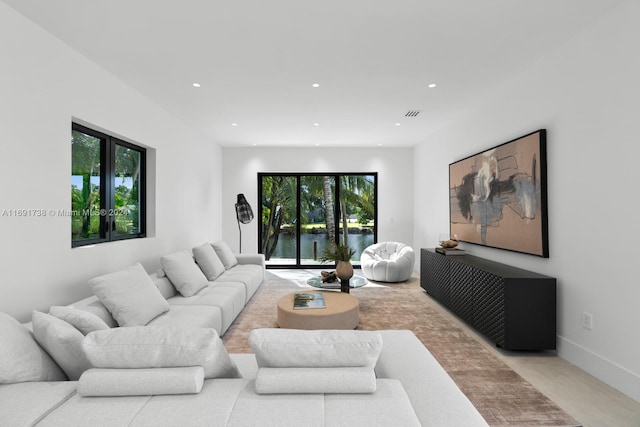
(451, 251)
(244, 214)
(447, 242)
(498, 198)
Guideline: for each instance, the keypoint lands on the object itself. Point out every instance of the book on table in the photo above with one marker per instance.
(450, 251)
(306, 300)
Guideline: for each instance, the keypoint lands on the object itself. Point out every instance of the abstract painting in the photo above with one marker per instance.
(498, 198)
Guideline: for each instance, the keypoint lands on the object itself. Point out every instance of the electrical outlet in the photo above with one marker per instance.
(587, 321)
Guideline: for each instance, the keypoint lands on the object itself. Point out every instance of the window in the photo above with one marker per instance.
(303, 213)
(107, 188)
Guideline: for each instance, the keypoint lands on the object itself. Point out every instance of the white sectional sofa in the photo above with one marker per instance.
(215, 306)
(174, 370)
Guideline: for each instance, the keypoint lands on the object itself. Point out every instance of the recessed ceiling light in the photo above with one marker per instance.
(316, 85)
(432, 85)
(316, 124)
(397, 124)
(234, 124)
(196, 85)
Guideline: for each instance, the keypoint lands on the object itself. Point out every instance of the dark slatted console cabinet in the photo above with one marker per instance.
(514, 308)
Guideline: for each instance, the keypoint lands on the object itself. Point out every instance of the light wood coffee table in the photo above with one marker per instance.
(342, 311)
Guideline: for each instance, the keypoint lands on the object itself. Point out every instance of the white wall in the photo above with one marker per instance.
(586, 94)
(395, 184)
(43, 85)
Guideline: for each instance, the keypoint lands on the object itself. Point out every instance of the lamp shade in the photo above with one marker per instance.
(243, 210)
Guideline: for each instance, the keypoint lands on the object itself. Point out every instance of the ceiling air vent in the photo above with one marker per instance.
(412, 113)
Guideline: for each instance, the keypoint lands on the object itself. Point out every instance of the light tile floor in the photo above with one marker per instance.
(587, 399)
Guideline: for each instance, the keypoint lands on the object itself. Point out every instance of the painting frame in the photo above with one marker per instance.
(498, 197)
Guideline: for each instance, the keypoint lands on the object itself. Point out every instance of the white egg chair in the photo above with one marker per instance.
(387, 262)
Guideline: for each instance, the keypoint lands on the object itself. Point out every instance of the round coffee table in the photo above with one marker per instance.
(341, 312)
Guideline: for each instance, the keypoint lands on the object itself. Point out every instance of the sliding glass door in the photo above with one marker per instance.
(303, 213)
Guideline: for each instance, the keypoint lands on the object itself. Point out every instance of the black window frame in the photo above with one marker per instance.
(108, 144)
(298, 176)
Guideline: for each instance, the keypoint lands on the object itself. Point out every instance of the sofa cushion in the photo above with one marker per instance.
(250, 275)
(82, 320)
(388, 406)
(209, 408)
(229, 300)
(291, 348)
(316, 380)
(24, 404)
(208, 261)
(129, 295)
(21, 358)
(225, 254)
(160, 347)
(196, 316)
(140, 382)
(62, 341)
(183, 272)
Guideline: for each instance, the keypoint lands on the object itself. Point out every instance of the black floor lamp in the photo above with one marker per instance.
(244, 214)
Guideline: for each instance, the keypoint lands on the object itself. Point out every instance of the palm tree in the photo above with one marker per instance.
(328, 209)
(85, 151)
(278, 197)
(356, 191)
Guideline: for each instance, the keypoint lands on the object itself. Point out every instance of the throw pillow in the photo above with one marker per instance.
(130, 296)
(208, 261)
(21, 358)
(160, 347)
(141, 382)
(291, 348)
(62, 341)
(225, 254)
(184, 273)
(82, 320)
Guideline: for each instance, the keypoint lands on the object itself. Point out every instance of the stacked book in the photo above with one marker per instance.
(450, 251)
(304, 300)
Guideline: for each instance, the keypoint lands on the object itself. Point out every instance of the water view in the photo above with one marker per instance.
(286, 248)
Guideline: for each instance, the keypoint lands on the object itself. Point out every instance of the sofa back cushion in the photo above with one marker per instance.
(93, 305)
(21, 358)
(83, 321)
(63, 343)
(208, 261)
(130, 295)
(184, 273)
(292, 348)
(160, 347)
(225, 254)
(164, 285)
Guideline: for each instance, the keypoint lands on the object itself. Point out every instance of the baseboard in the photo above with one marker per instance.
(603, 369)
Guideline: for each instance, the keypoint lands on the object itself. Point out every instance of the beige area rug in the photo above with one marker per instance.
(501, 396)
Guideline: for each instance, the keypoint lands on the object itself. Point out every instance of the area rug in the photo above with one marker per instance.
(501, 396)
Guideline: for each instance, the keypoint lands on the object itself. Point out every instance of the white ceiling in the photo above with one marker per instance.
(256, 60)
